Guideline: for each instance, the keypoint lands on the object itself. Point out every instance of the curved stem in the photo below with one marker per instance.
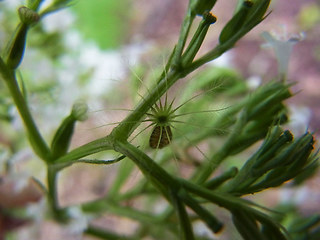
(162, 180)
(98, 145)
(37, 142)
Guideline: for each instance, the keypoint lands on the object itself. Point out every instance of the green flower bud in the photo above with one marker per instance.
(293, 160)
(267, 153)
(266, 100)
(198, 7)
(28, 16)
(247, 17)
(257, 12)
(236, 22)
(301, 153)
(62, 138)
(16, 46)
(17, 43)
(79, 111)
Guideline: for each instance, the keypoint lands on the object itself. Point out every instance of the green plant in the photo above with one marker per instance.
(249, 119)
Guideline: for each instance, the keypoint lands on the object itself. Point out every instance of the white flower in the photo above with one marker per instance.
(254, 82)
(19, 176)
(299, 119)
(79, 221)
(282, 45)
(38, 211)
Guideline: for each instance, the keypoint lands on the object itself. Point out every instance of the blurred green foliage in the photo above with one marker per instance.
(102, 21)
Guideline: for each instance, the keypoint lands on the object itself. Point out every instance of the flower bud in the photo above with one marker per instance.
(262, 163)
(79, 111)
(198, 7)
(257, 12)
(62, 138)
(291, 161)
(16, 46)
(28, 16)
(236, 22)
(267, 99)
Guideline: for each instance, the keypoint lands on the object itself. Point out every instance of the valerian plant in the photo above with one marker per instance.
(253, 117)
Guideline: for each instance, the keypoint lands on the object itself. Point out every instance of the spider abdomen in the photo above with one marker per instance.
(160, 137)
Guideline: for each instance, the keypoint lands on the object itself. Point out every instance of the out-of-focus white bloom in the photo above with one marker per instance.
(224, 60)
(38, 211)
(20, 178)
(105, 66)
(79, 221)
(59, 22)
(202, 230)
(299, 119)
(254, 82)
(74, 228)
(298, 196)
(282, 45)
(73, 40)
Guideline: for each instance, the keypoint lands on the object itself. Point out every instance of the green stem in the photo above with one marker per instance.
(162, 180)
(59, 167)
(185, 223)
(37, 142)
(103, 205)
(59, 214)
(52, 191)
(185, 28)
(105, 234)
(213, 54)
(127, 126)
(99, 145)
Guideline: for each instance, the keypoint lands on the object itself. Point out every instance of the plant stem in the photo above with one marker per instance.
(127, 126)
(162, 180)
(98, 145)
(37, 142)
(105, 234)
(52, 190)
(185, 28)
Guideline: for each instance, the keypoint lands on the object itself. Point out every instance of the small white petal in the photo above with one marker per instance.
(282, 47)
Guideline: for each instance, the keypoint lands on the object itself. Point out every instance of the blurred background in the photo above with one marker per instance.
(84, 52)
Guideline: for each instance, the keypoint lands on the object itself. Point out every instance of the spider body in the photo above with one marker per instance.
(160, 137)
(161, 117)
